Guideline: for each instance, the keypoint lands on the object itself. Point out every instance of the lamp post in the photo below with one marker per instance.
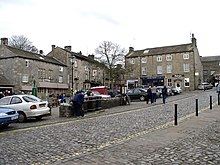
(72, 60)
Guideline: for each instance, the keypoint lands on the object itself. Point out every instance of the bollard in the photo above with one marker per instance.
(197, 107)
(218, 98)
(210, 102)
(175, 115)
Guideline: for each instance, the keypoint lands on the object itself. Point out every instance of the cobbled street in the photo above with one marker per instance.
(139, 133)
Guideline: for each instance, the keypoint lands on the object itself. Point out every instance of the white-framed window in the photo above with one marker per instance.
(75, 64)
(159, 58)
(144, 71)
(132, 61)
(186, 56)
(61, 69)
(86, 68)
(169, 82)
(169, 68)
(143, 60)
(50, 74)
(27, 63)
(159, 70)
(25, 78)
(186, 82)
(94, 73)
(185, 67)
(169, 57)
(60, 79)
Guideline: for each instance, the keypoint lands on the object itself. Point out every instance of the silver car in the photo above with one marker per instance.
(27, 106)
(205, 85)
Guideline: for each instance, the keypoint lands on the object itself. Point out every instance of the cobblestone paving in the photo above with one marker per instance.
(88, 140)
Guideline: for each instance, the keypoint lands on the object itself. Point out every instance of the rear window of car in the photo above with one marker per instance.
(29, 99)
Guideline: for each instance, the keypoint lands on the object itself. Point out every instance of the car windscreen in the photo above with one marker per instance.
(4, 101)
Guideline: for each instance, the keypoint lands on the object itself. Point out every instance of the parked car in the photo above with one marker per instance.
(169, 91)
(95, 93)
(205, 85)
(27, 106)
(7, 116)
(101, 89)
(176, 90)
(137, 94)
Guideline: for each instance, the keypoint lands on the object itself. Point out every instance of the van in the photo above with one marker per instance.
(101, 89)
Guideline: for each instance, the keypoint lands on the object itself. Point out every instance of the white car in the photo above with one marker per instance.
(27, 106)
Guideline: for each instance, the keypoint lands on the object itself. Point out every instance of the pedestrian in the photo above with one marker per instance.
(1, 95)
(78, 101)
(149, 95)
(164, 94)
(218, 88)
(154, 94)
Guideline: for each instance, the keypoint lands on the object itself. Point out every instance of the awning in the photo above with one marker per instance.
(52, 85)
(26, 88)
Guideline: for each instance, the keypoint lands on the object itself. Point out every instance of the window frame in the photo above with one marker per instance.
(159, 58)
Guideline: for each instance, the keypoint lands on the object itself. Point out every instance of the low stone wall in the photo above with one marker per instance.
(67, 110)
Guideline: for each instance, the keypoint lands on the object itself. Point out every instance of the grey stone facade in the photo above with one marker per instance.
(177, 65)
(84, 72)
(21, 68)
(211, 67)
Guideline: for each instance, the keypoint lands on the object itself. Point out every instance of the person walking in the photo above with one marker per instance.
(154, 94)
(164, 94)
(78, 101)
(149, 95)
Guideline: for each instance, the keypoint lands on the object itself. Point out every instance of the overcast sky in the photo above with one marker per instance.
(84, 24)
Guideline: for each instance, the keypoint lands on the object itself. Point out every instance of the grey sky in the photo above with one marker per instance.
(85, 24)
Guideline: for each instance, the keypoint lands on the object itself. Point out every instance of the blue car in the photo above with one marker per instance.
(7, 116)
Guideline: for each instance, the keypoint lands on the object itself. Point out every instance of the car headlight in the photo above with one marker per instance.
(3, 114)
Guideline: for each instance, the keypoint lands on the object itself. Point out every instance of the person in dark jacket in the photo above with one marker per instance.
(164, 94)
(78, 101)
(149, 95)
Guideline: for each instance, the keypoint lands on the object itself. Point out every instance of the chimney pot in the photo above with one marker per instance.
(131, 49)
(68, 48)
(4, 41)
(53, 47)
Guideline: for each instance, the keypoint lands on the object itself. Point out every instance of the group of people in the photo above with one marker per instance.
(152, 94)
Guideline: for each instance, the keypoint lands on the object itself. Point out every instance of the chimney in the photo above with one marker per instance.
(91, 56)
(193, 39)
(68, 48)
(131, 49)
(53, 47)
(4, 41)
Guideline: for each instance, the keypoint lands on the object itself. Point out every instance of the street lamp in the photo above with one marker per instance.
(72, 60)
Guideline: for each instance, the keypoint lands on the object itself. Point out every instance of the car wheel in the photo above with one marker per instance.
(38, 117)
(21, 117)
(142, 98)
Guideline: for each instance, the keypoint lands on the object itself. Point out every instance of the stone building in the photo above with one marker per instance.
(83, 71)
(22, 68)
(211, 68)
(176, 65)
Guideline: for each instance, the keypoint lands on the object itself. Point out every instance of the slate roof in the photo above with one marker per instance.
(4, 81)
(86, 58)
(34, 56)
(210, 58)
(161, 50)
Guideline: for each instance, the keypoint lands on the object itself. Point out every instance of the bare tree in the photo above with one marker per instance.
(22, 42)
(110, 54)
